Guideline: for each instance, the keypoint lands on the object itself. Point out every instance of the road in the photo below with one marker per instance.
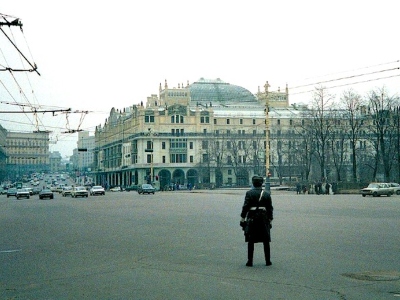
(188, 245)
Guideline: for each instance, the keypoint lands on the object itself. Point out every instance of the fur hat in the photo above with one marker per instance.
(257, 180)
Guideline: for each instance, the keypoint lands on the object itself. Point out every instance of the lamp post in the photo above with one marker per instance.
(268, 174)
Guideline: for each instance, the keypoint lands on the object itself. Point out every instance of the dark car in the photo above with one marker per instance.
(11, 192)
(36, 190)
(146, 189)
(131, 188)
(23, 193)
(46, 193)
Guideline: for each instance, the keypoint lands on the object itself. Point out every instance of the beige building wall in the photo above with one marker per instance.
(27, 152)
(180, 133)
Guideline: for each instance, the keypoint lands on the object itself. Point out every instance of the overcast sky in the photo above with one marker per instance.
(95, 55)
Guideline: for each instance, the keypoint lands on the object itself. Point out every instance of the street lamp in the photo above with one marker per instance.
(268, 174)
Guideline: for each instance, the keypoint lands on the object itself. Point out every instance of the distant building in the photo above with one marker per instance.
(55, 162)
(209, 133)
(27, 152)
(82, 158)
(3, 153)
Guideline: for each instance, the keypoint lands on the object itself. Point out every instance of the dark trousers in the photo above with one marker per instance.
(250, 251)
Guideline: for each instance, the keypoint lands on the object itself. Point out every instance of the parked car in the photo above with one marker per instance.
(97, 190)
(146, 189)
(131, 188)
(23, 193)
(377, 189)
(46, 193)
(66, 191)
(396, 187)
(79, 191)
(3, 191)
(11, 192)
(116, 189)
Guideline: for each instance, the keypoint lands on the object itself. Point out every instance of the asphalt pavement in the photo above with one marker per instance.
(189, 245)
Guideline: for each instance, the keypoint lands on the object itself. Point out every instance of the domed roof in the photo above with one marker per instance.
(216, 90)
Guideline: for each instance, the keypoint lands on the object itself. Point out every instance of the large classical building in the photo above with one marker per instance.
(3, 153)
(27, 152)
(208, 133)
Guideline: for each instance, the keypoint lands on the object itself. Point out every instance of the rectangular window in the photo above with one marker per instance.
(204, 144)
(149, 158)
(215, 121)
(205, 157)
(163, 159)
(228, 145)
(149, 119)
(205, 120)
(191, 145)
(279, 122)
(163, 145)
(149, 145)
(205, 131)
(254, 121)
(240, 121)
(229, 172)
(228, 121)
(191, 158)
(178, 158)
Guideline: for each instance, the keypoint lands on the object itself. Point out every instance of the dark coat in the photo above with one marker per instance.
(258, 220)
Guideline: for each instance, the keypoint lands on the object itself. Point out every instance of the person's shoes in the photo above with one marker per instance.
(249, 263)
(268, 263)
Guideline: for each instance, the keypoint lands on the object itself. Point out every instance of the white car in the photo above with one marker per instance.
(97, 190)
(79, 191)
(116, 189)
(396, 187)
(23, 193)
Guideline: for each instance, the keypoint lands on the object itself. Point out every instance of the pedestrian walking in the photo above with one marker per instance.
(256, 217)
(298, 188)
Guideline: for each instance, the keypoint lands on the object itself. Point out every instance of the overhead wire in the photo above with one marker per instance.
(347, 84)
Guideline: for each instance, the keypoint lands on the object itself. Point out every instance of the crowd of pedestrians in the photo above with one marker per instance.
(319, 188)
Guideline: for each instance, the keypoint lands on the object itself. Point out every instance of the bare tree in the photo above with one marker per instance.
(381, 108)
(322, 125)
(304, 144)
(354, 113)
(339, 151)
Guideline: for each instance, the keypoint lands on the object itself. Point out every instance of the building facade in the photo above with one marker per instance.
(55, 162)
(27, 152)
(3, 153)
(209, 133)
(212, 133)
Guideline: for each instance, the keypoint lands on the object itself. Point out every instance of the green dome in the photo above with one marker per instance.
(216, 90)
